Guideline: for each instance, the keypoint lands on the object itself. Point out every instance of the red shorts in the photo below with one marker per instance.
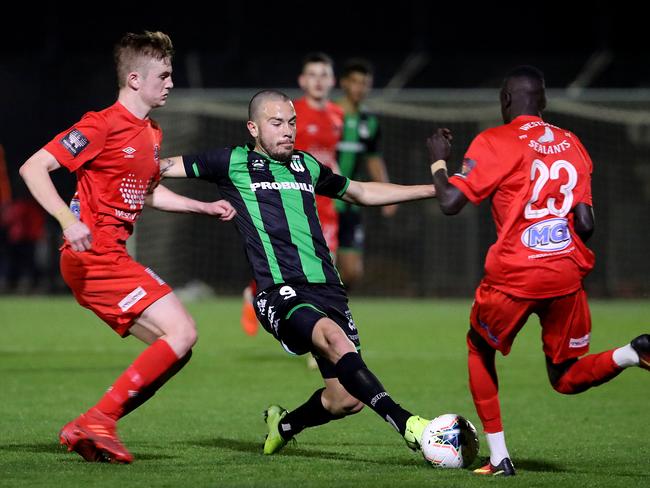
(112, 285)
(565, 321)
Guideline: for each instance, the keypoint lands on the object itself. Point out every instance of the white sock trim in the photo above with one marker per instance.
(626, 356)
(497, 444)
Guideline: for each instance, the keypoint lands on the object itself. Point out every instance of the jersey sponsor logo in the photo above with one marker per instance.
(282, 185)
(155, 276)
(125, 215)
(156, 153)
(555, 149)
(537, 123)
(296, 164)
(132, 298)
(547, 137)
(74, 142)
(129, 152)
(579, 342)
(548, 235)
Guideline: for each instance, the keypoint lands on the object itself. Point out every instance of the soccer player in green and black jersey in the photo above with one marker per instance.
(301, 299)
(359, 146)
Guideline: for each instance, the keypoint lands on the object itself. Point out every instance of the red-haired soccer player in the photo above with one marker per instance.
(115, 156)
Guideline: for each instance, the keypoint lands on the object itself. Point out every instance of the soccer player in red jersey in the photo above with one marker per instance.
(319, 129)
(538, 177)
(115, 156)
(318, 132)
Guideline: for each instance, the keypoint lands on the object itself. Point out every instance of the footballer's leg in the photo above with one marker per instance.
(566, 330)
(326, 404)
(248, 319)
(171, 332)
(484, 386)
(333, 344)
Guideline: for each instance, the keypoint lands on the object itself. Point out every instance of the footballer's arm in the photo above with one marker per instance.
(172, 167)
(162, 198)
(36, 173)
(370, 193)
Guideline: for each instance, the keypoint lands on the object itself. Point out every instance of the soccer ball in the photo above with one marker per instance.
(449, 441)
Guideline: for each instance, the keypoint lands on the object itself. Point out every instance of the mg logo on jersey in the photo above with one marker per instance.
(547, 236)
(296, 164)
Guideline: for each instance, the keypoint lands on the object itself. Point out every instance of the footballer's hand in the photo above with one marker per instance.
(439, 145)
(222, 209)
(79, 237)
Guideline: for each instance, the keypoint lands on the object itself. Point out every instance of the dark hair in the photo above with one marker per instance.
(525, 71)
(357, 65)
(131, 48)
(262, 96)
(317, 57)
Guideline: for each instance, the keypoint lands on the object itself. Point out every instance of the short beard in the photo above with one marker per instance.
(275, 155)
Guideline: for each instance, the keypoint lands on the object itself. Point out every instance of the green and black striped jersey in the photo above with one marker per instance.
(360, 140)
(276, 210)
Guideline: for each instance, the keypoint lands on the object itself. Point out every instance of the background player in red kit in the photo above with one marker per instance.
(115, 155)
(319, 126)
(538, 177)
(319, 129)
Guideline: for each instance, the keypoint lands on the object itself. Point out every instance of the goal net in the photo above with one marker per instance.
(419, 252)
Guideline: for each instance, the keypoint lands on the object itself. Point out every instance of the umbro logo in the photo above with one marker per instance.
(128, 152)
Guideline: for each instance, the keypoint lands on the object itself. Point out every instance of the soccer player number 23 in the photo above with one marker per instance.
(543, 177)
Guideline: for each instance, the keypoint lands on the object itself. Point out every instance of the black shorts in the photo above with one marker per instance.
(351, 234)
(290, 312)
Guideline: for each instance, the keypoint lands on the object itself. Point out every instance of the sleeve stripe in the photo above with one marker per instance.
(345, 188)
(196, 170)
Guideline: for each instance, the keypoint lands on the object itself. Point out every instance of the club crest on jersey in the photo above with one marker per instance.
(296, 164)
(258, 164)
(547, 236)
(364, 130)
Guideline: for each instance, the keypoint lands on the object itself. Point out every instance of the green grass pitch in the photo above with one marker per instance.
(205, 427)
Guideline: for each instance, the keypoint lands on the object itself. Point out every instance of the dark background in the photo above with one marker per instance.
(57, 64)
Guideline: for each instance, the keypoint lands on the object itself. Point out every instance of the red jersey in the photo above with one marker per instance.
(115, 156)
(318, 132)
(535, 174)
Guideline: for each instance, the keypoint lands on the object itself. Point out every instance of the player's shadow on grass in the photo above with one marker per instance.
(538, 466)
(56, 448)
(292, 450)
(37, 447)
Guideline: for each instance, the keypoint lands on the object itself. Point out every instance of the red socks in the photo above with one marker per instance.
(484, 385)
(588, 371)
(152, 363)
